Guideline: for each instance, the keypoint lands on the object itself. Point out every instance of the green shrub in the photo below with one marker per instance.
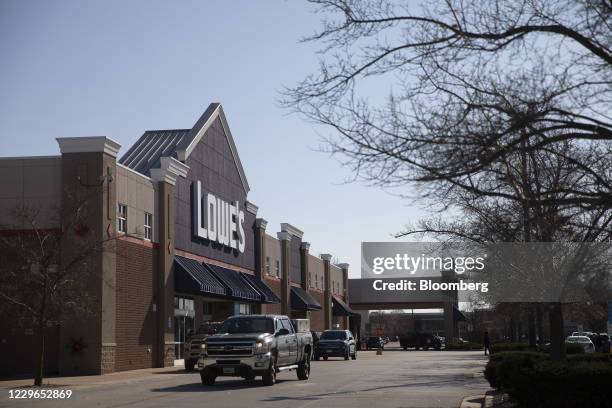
(570, 348)
(533, 380)
(501, 347)
(464, 346)
(504, 365)
(591, 357)
(563, 384)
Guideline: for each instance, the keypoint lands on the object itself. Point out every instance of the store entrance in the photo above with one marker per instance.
(184, 315)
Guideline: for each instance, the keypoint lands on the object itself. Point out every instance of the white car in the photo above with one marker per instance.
(584, 341)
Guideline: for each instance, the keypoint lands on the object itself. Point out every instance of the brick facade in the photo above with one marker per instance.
(132, 281)
(275, 285)
(317, 317)
(136, 325)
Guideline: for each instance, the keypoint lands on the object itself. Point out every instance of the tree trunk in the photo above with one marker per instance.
(531, 325)
(38, 379)
(557, 335)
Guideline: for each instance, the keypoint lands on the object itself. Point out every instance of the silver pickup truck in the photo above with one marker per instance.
(256, 345)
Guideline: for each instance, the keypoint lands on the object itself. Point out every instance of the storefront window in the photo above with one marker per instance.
(183, 323)
(207, 308)
(245, 309)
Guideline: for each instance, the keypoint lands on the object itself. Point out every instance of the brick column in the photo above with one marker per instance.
(327, 306)
(304, 247)
(89, 184)
(260, 247)
(285, 239)
(166, 176)
(344, 267)
(304, 265)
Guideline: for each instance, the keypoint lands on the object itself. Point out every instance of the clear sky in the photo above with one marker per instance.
(118, 68)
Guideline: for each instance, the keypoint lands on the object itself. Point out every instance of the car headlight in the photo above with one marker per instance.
(262, 347)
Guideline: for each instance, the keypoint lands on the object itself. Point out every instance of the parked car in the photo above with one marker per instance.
(193, 345)
(602, 343)
(582, 333)
(374, 342)
(336, 343)
(421, 340)
(584, 341)
(256, 345)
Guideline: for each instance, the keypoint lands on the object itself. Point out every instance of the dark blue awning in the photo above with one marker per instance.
(339, 308)
(236, 286)
(302, 300)
(191, 276)
(267, 294)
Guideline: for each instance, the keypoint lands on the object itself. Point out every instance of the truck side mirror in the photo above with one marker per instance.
(282, 332)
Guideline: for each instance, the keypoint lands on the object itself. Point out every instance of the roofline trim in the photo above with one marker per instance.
(131, 170)
(217, 112)
(170, 169)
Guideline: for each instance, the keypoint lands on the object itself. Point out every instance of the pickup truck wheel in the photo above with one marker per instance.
(189, 364)
(207, 377)
(303, 371)
(269, 377)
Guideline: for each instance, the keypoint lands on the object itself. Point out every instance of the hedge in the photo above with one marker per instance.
(532, 379)
(464, 346)
(501, 347)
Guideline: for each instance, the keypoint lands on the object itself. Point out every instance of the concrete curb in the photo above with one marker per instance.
(489, 400)
(474, 401)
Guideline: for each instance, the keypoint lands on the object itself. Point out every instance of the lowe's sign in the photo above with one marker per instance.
(217, 220)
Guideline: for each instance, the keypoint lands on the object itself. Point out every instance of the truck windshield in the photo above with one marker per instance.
(247, 325)
(333, 335)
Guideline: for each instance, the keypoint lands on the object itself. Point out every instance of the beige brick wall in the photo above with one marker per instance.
(140, 195)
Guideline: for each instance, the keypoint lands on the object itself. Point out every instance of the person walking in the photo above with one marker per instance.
(487, 343)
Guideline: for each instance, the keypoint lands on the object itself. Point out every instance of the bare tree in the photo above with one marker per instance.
(493, 220)
(46, 272)
(477, 91)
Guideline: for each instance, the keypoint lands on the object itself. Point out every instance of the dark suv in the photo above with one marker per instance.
(421, 341)
(374, 342)
(336, 343)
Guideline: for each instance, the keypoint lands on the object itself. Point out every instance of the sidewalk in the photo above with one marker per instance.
(91, 381)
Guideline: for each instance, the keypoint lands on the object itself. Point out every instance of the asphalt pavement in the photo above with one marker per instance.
(395, 379)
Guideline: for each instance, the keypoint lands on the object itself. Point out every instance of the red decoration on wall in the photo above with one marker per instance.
(77, 346)
(81, 229)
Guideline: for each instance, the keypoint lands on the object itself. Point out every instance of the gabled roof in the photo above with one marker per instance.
(146, 153)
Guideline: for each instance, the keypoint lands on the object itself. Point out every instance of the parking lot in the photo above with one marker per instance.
(395, 379)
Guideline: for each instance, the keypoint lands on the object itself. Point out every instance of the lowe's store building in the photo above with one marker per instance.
(189, 249)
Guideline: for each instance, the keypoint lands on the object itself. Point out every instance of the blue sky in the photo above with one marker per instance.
(118, 68)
